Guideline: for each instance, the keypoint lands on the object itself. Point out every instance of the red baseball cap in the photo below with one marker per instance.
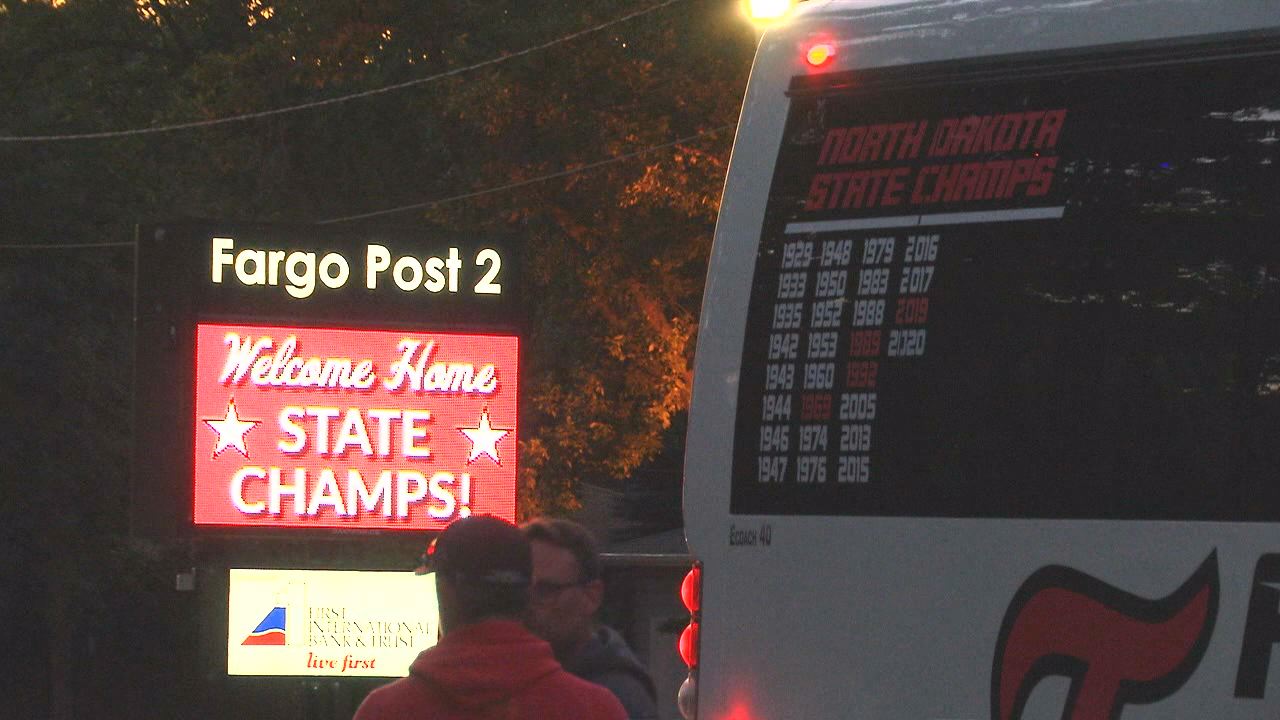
(482, 549)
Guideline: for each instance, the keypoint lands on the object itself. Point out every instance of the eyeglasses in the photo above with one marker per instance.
(544, 590)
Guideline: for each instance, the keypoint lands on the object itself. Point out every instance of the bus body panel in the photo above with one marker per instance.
(831, 613)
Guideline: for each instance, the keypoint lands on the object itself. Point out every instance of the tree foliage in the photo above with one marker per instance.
(617, 252)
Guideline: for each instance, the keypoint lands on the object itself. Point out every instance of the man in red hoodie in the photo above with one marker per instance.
(486, 665)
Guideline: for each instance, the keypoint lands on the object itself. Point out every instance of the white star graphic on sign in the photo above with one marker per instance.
(484, 438)
(231, 430)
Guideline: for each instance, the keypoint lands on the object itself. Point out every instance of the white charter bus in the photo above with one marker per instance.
(986, 407)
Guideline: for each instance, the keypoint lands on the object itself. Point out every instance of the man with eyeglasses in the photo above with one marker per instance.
(567, 592)
(487, 665)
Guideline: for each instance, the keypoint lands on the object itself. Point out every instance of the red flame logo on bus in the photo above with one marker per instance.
(1117, 648)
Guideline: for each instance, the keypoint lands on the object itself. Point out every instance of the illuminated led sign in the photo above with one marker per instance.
(302, 376)
(356, 429)
(328, 622)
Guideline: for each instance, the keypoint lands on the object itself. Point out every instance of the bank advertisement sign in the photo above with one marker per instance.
(326, 427)
(338, 623)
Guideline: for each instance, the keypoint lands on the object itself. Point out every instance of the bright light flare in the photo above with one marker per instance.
(767, 10)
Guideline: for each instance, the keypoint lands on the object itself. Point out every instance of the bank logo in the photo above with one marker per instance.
(270, 631)
(1116, 648)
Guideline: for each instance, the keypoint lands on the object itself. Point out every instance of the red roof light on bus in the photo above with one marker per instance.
(820, 54)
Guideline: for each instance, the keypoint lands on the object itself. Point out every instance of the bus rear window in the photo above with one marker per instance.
(1021, 294)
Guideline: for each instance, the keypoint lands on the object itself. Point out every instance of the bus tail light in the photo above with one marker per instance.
(691, 590)
(688, 645)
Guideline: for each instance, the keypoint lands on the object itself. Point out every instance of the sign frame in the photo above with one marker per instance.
(175, 292)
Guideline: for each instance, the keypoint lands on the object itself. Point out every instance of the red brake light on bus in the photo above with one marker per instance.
(691, 596)
(691, 590)
(688, 645)
(820, 54)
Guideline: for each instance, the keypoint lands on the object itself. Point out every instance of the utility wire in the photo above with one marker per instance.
(522, 183)
(431, 203)
(65, 246)
(330, 101)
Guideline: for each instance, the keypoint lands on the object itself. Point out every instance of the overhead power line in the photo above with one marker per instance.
(65, 246)
(523, 183)
(430, 203)
(328, 101)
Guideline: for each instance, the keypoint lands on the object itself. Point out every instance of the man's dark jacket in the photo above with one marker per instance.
(606, 660)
